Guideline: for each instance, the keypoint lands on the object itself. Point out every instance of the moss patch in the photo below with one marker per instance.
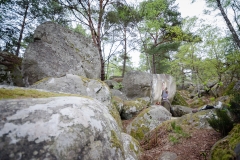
(140, 132)
(115, 141)
(18, 93)
(42, 80)
(115, 114)
(179, 100)
(224, 149)
(229, 89)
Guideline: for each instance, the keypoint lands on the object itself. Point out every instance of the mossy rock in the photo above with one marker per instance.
(197, 120)
(229, 89)
(118, 103)
(179, 100)
(224, 149)
(17, 93)
(115, 114)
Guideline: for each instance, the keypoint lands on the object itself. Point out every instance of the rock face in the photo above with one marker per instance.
(137, 84)
(159, 83)
(57, 51)
(178, 111)
(58, 128)
(148, 120)
(131, 147)
(77, 85)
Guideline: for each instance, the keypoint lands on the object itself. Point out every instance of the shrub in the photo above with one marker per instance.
(222, 122)
(235, 107)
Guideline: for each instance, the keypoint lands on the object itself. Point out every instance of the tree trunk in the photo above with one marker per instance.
(125, 51)
(21, 32)
(234, 34)
(154, 64)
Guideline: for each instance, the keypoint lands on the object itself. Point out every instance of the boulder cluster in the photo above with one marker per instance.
(64, 111)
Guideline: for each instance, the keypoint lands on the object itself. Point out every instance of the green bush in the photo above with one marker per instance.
(235, 107)
(222, 122)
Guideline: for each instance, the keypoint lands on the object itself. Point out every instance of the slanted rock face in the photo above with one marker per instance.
(131, 147)
(58, 128)
(148, 120)
(137, 84)
(57, 51)
(159, 83)
(77, 85)
(178, 111)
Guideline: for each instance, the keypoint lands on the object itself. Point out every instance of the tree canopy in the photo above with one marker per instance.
(187, 48)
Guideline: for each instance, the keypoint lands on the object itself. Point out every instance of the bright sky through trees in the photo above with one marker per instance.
(188, 9)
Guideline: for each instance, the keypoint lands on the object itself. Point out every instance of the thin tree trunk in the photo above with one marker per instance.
(125, 52)
(154, 64)
(21, 32)
(234, 34)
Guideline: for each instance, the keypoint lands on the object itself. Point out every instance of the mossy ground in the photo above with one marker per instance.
(19, 93)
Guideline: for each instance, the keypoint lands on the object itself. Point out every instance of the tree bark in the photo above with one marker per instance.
(125, 51)
(229, 24)
(21, 32)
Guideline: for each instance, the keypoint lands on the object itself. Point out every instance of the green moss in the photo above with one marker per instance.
(115, 114)
(224, 149)
(129, 104)
(191, 119)
(140, 132)
(179, 100)
(234, 139)
(115, 141)
(42, 80)
(198, 102)
(84, 79)
(147, 103)
(229, 89)
(132, 146)
(28, 93)
(77, 50)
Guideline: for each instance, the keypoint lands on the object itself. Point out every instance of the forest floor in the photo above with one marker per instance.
(196, 146)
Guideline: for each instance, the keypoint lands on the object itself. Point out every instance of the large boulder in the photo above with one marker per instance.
(76, 85)
(179, 111)
(137, 84)
(58, 128)
(57, 51)
(159, 83)
(147, 121)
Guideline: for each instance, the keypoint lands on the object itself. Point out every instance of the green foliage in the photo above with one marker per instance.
(221, 122)
(235, 107)
(81, 30)
(119, 86)
(19, 18)
(178, 133)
